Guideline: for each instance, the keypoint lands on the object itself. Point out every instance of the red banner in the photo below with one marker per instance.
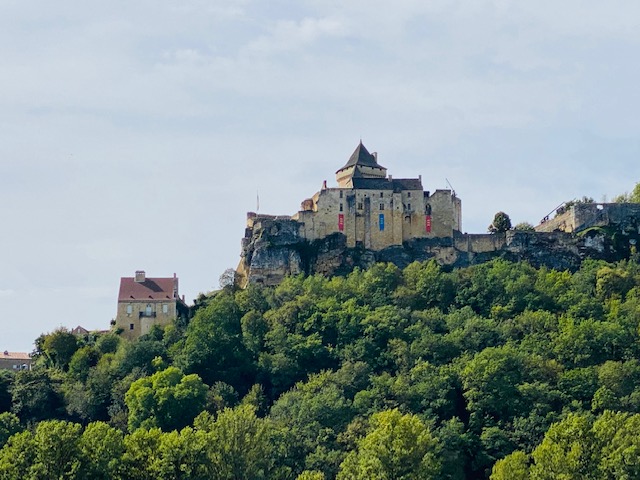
(341, 222)
(428, 223)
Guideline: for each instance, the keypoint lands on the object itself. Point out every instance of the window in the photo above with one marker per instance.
(340, 193)
(131, 326)
(360, 206)
(148, 311)
(129, 309)
(408, 206)
(409, 194)
(381, 194)
(382, 206)
(340, 207)
(165, 308)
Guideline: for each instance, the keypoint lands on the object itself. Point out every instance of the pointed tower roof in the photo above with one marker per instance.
(361, 156)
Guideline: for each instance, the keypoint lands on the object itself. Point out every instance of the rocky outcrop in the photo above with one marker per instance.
(274, 248)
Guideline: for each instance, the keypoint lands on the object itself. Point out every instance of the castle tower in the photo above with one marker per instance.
(361, 164)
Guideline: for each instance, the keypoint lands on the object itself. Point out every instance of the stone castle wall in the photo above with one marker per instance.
(582, 216)
(275, 248)
(377, 219)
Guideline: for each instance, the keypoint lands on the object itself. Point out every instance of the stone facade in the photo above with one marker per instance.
(144, 302)
(375, 210)
(275, 249)
(15, 361)
(581, 216)
(371, 217)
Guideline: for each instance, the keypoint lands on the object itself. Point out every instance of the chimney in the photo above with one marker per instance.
(375, 156)
(324, 185)
(140, 276)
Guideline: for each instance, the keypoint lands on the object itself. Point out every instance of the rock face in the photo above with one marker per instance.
(274, 248)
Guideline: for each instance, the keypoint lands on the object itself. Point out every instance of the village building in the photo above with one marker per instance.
(15, 361)
(144, 302)
(374, 210)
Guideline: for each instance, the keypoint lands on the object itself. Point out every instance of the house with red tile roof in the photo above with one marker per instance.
(144, 301)
(15, 361)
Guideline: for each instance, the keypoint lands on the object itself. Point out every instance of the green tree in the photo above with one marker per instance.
(397, 446)
(524, 227)
(512, 467)
(633, 197)
(567, 451)
(58, 347)
(36, 395)
(6, 380)
(9, 424)
(17, 456)
(57, 450)
(168, 399)
(213, 345)
(501, 223)
(240, 445)
(619, 436)
(101, 450)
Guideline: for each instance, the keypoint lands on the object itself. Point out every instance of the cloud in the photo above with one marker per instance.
(291, 35)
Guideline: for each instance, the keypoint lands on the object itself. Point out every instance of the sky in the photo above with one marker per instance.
(136, 135)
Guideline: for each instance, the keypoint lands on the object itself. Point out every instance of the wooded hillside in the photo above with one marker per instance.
(415, 374)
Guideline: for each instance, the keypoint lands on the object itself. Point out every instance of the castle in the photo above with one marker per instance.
(375, 210)
(372, 217)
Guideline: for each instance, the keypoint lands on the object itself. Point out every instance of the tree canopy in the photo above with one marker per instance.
(499, 370)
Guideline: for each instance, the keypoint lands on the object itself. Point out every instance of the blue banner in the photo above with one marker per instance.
(381, 221)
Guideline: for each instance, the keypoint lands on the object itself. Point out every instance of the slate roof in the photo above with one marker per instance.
(407, 184)
(361, 156)
(397, 184)
(150, 289)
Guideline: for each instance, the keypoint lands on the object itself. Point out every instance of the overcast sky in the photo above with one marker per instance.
(135, 134)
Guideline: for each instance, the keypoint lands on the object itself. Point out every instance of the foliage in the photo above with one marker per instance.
(499, 369)
(524, 227)
(396, 447)
(168, 399)
(501, 223)
(633, 197)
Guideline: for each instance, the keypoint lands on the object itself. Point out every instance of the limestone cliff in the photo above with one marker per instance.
(273, 247)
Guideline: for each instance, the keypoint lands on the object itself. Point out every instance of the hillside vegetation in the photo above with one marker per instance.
(498, 370)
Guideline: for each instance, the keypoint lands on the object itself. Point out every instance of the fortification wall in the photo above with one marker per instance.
(586, 215)
(274, 248)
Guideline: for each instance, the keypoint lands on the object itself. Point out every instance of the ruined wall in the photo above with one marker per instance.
(587, 215)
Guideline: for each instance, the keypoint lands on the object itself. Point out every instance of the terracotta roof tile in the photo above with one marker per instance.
(151, 288)
(15, 355)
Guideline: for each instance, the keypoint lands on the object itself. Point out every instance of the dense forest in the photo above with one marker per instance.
(499, 371)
